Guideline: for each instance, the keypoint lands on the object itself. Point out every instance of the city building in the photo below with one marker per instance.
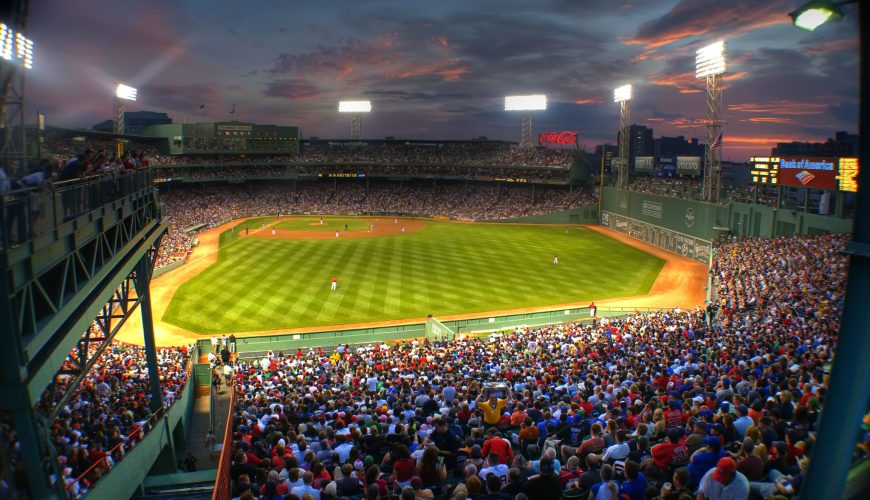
(842, 144)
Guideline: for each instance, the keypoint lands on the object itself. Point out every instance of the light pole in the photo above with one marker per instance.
(122, 93)
(622, 95)
(356, 109)
(710, 65)
(527, 103)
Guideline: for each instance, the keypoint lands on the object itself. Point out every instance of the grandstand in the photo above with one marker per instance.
(635, 341)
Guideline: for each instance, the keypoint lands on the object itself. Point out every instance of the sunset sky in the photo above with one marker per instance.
(440, 70)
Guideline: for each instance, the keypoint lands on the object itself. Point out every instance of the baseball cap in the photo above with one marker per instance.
(724, 469)
(712, 441)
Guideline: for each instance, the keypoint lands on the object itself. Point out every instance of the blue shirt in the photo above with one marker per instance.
(635, 489)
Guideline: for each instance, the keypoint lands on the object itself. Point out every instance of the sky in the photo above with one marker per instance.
(440, 70)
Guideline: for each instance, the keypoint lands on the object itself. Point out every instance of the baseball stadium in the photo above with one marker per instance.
(224, 307)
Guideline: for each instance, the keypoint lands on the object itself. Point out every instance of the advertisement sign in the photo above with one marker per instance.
(564, 138)
(689, 165)
(644, 164)
(812, 173)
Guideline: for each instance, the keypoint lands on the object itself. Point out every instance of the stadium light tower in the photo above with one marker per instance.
(16, 57)
(622, 95)
(356, 109)
(527, 103)
(710, 65)
(122, 93)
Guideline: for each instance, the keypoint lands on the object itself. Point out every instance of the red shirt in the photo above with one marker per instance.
(663, 454)
(501, 448)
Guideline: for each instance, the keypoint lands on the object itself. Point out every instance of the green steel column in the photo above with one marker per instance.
(849, 386)
(806, 200)
(143, 289)
(15, 399)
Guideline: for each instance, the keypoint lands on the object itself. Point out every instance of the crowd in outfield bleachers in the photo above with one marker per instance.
(722, 402)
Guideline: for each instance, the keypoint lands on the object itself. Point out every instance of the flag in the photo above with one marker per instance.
(717, 143)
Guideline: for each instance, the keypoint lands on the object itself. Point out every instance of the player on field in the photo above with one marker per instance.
(555, 259)
(334, 283)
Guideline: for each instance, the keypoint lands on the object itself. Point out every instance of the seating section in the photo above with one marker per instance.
(625, 404)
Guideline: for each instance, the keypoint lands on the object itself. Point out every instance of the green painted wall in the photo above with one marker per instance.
(759, 220)
(691, 218)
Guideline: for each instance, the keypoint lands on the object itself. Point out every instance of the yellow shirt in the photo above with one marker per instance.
(492, 414)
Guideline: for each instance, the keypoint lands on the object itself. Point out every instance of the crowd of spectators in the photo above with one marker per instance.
(452, 153)
(110, 410)
(721, 403)
(205, 206)
(244, 171)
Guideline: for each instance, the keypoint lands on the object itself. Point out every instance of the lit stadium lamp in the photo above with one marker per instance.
(354, 106)
(813, 14)
(527, 103)
(622, 93)
(125, 92)
(15, 47)
(536, 102)
(710, 60)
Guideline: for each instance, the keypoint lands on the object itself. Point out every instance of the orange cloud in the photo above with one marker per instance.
(685, 83)
(769, 119)
(788, 108)
(694, 18)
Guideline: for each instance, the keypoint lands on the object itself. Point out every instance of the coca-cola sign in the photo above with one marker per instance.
(566, 137)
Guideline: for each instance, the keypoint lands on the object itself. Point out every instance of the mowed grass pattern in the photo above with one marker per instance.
(448, 268)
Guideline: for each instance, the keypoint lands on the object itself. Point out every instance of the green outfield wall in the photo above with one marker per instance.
(688, 227)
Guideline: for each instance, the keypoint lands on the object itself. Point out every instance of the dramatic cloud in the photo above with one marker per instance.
(441, 70)
(695, 18)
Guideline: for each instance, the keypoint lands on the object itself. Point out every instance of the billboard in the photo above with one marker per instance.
(811, 173)
(689, 165)
(565, 137)
(643, 164)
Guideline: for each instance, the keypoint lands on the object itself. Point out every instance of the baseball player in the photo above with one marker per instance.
(555, 259)
(334, 283)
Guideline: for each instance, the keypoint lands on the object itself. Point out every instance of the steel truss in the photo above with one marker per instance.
(356, 126)
(624, 143)
(12, 131)
(713, 156)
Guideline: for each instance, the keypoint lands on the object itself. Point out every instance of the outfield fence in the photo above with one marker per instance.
(252, 346)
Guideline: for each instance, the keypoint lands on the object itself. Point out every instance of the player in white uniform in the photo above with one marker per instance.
(555, 259)
(334, 283)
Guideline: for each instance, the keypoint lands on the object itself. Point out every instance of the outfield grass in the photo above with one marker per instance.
(447, 268)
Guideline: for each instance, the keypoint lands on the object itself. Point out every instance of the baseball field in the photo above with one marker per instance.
(276, 273)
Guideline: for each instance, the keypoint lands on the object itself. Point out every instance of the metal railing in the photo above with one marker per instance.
(30, 212)
(222, 483)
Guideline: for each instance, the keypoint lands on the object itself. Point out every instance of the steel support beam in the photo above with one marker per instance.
(849, 386)
(526, 139)
(144, 268)
(624, 143)
(713, 156)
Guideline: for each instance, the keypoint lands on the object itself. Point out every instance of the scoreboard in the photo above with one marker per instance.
(839, 174)
(765, 170)
(848, 174)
